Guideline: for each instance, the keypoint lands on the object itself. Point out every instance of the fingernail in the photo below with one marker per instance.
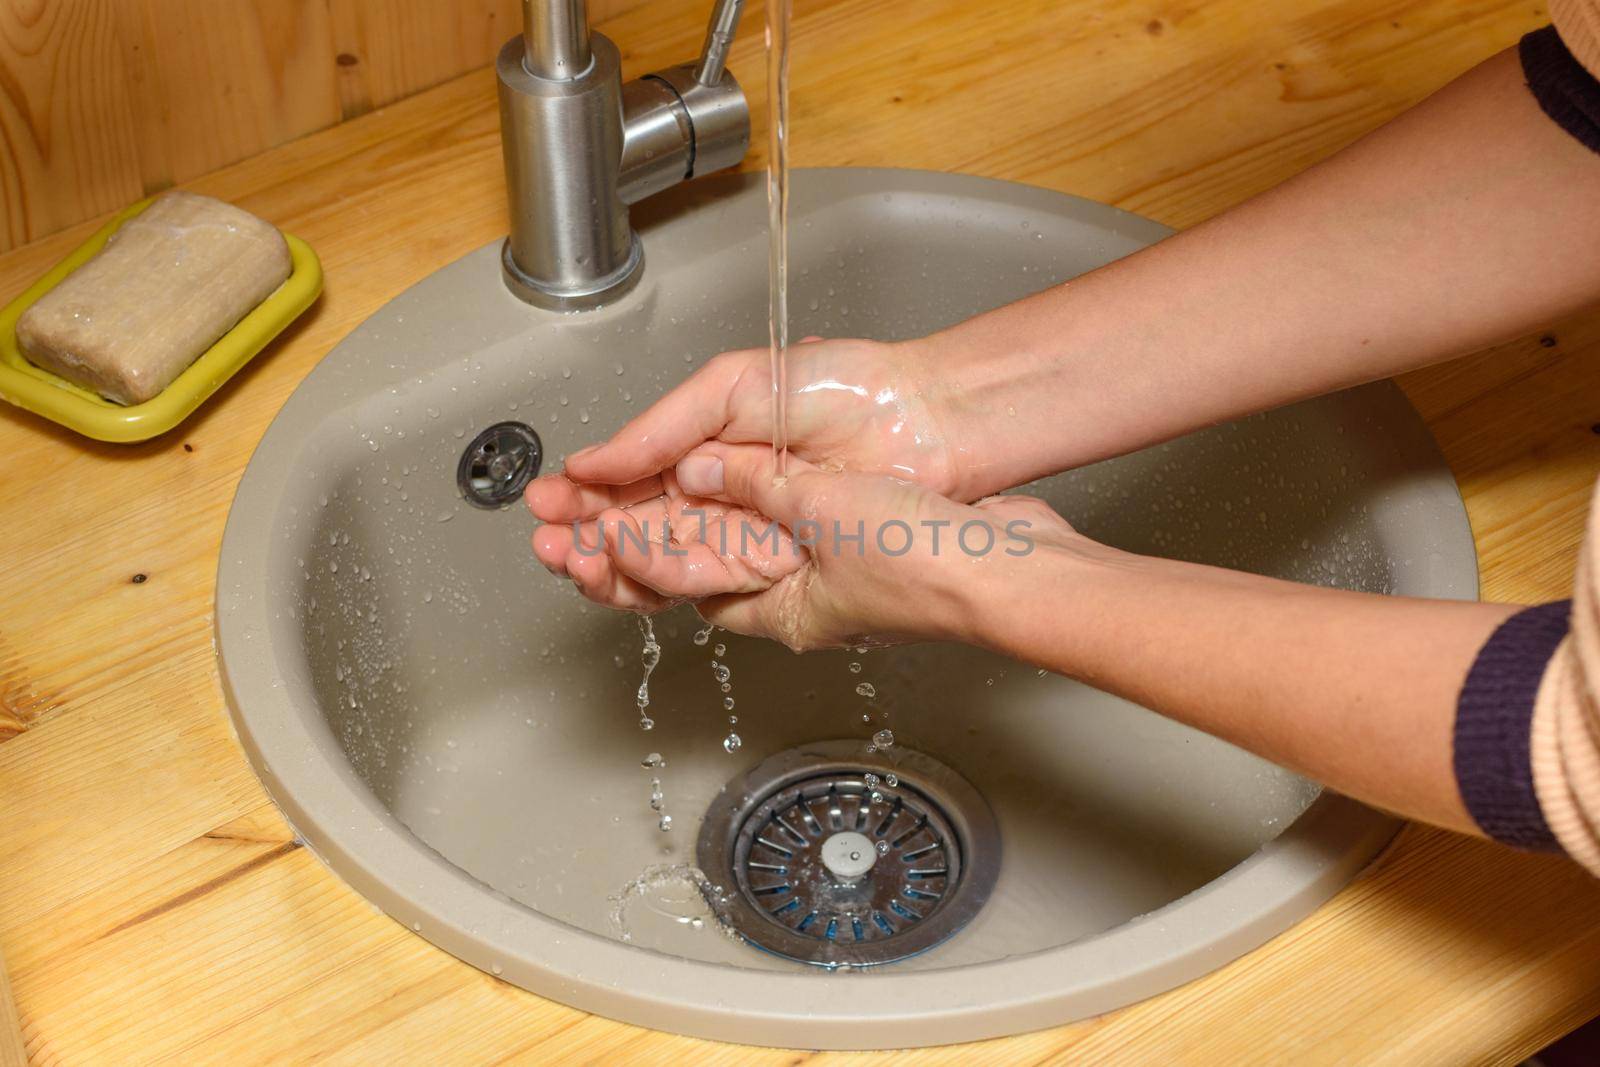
(582, 452)
(701, 475)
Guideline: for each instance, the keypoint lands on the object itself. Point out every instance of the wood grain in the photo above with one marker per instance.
(13, 1053)
(105, 101)
(153, 905)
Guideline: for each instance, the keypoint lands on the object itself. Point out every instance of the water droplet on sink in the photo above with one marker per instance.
(867, 689)
(884, 739)
(732, 743)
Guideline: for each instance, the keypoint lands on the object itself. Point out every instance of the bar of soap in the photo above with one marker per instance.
(166, 286)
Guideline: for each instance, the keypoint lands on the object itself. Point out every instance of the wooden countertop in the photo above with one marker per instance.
(153, 905)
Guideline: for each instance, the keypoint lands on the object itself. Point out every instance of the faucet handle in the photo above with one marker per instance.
(719, 36)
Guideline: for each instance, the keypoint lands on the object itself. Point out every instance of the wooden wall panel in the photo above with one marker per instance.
(225, 79)
(66, 129)
(388, 49)
(104, 101)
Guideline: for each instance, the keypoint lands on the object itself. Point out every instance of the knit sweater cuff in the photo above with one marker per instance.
(1494, 721)
(1565, 90)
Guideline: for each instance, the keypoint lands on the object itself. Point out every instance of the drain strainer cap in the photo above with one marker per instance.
(829, 864)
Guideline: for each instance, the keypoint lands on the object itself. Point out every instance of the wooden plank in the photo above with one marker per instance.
(226, 79)
(104, 101)
(13, 1052)
(152, 902)
(63, 157)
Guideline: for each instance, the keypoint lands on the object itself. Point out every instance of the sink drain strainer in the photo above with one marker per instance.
(831, 864)
(499, 464)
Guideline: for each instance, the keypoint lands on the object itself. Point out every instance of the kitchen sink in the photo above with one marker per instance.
(455, 733)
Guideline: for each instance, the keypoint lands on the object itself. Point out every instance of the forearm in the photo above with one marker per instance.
(1354, 690)
(1466, 221)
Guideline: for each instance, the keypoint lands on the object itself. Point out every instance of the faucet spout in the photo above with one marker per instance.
(580, 146)
(555, 38)
(719, 38)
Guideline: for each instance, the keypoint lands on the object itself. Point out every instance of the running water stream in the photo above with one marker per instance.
(778, 227)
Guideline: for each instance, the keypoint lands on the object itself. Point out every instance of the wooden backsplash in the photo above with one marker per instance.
(105, 101)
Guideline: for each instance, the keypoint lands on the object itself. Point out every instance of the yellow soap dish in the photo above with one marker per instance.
(80, 409)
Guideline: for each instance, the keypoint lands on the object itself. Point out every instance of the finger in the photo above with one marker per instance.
(744, 475)
(602, 583)
(693, 412)
(680, 550)
(686, 571)
(779, 613)
(551, 544)
(742, 614)
(557, 498)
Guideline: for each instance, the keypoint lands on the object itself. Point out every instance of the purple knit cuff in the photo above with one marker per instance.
(1494, 718)
(1564, 88)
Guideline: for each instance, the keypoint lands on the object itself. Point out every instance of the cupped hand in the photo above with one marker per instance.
(607, 523)
(853, 405)
(852, 558)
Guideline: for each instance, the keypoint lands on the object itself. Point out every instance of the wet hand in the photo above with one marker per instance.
(611, 522)
(852, 558)
(853, 406)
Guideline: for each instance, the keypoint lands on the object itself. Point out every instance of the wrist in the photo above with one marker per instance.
(1012, 604)
(975, 390)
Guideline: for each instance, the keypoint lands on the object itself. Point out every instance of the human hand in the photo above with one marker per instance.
(853, 405)
(852, 558)
(604, 518)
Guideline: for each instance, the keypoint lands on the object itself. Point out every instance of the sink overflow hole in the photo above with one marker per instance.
(499, 464)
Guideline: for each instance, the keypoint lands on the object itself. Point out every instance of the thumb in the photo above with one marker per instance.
(745, 475)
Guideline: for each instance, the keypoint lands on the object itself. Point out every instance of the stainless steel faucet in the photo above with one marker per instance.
(580, 146)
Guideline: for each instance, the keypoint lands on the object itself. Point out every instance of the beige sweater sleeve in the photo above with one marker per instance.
(1565, 746)
(1578, 23)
